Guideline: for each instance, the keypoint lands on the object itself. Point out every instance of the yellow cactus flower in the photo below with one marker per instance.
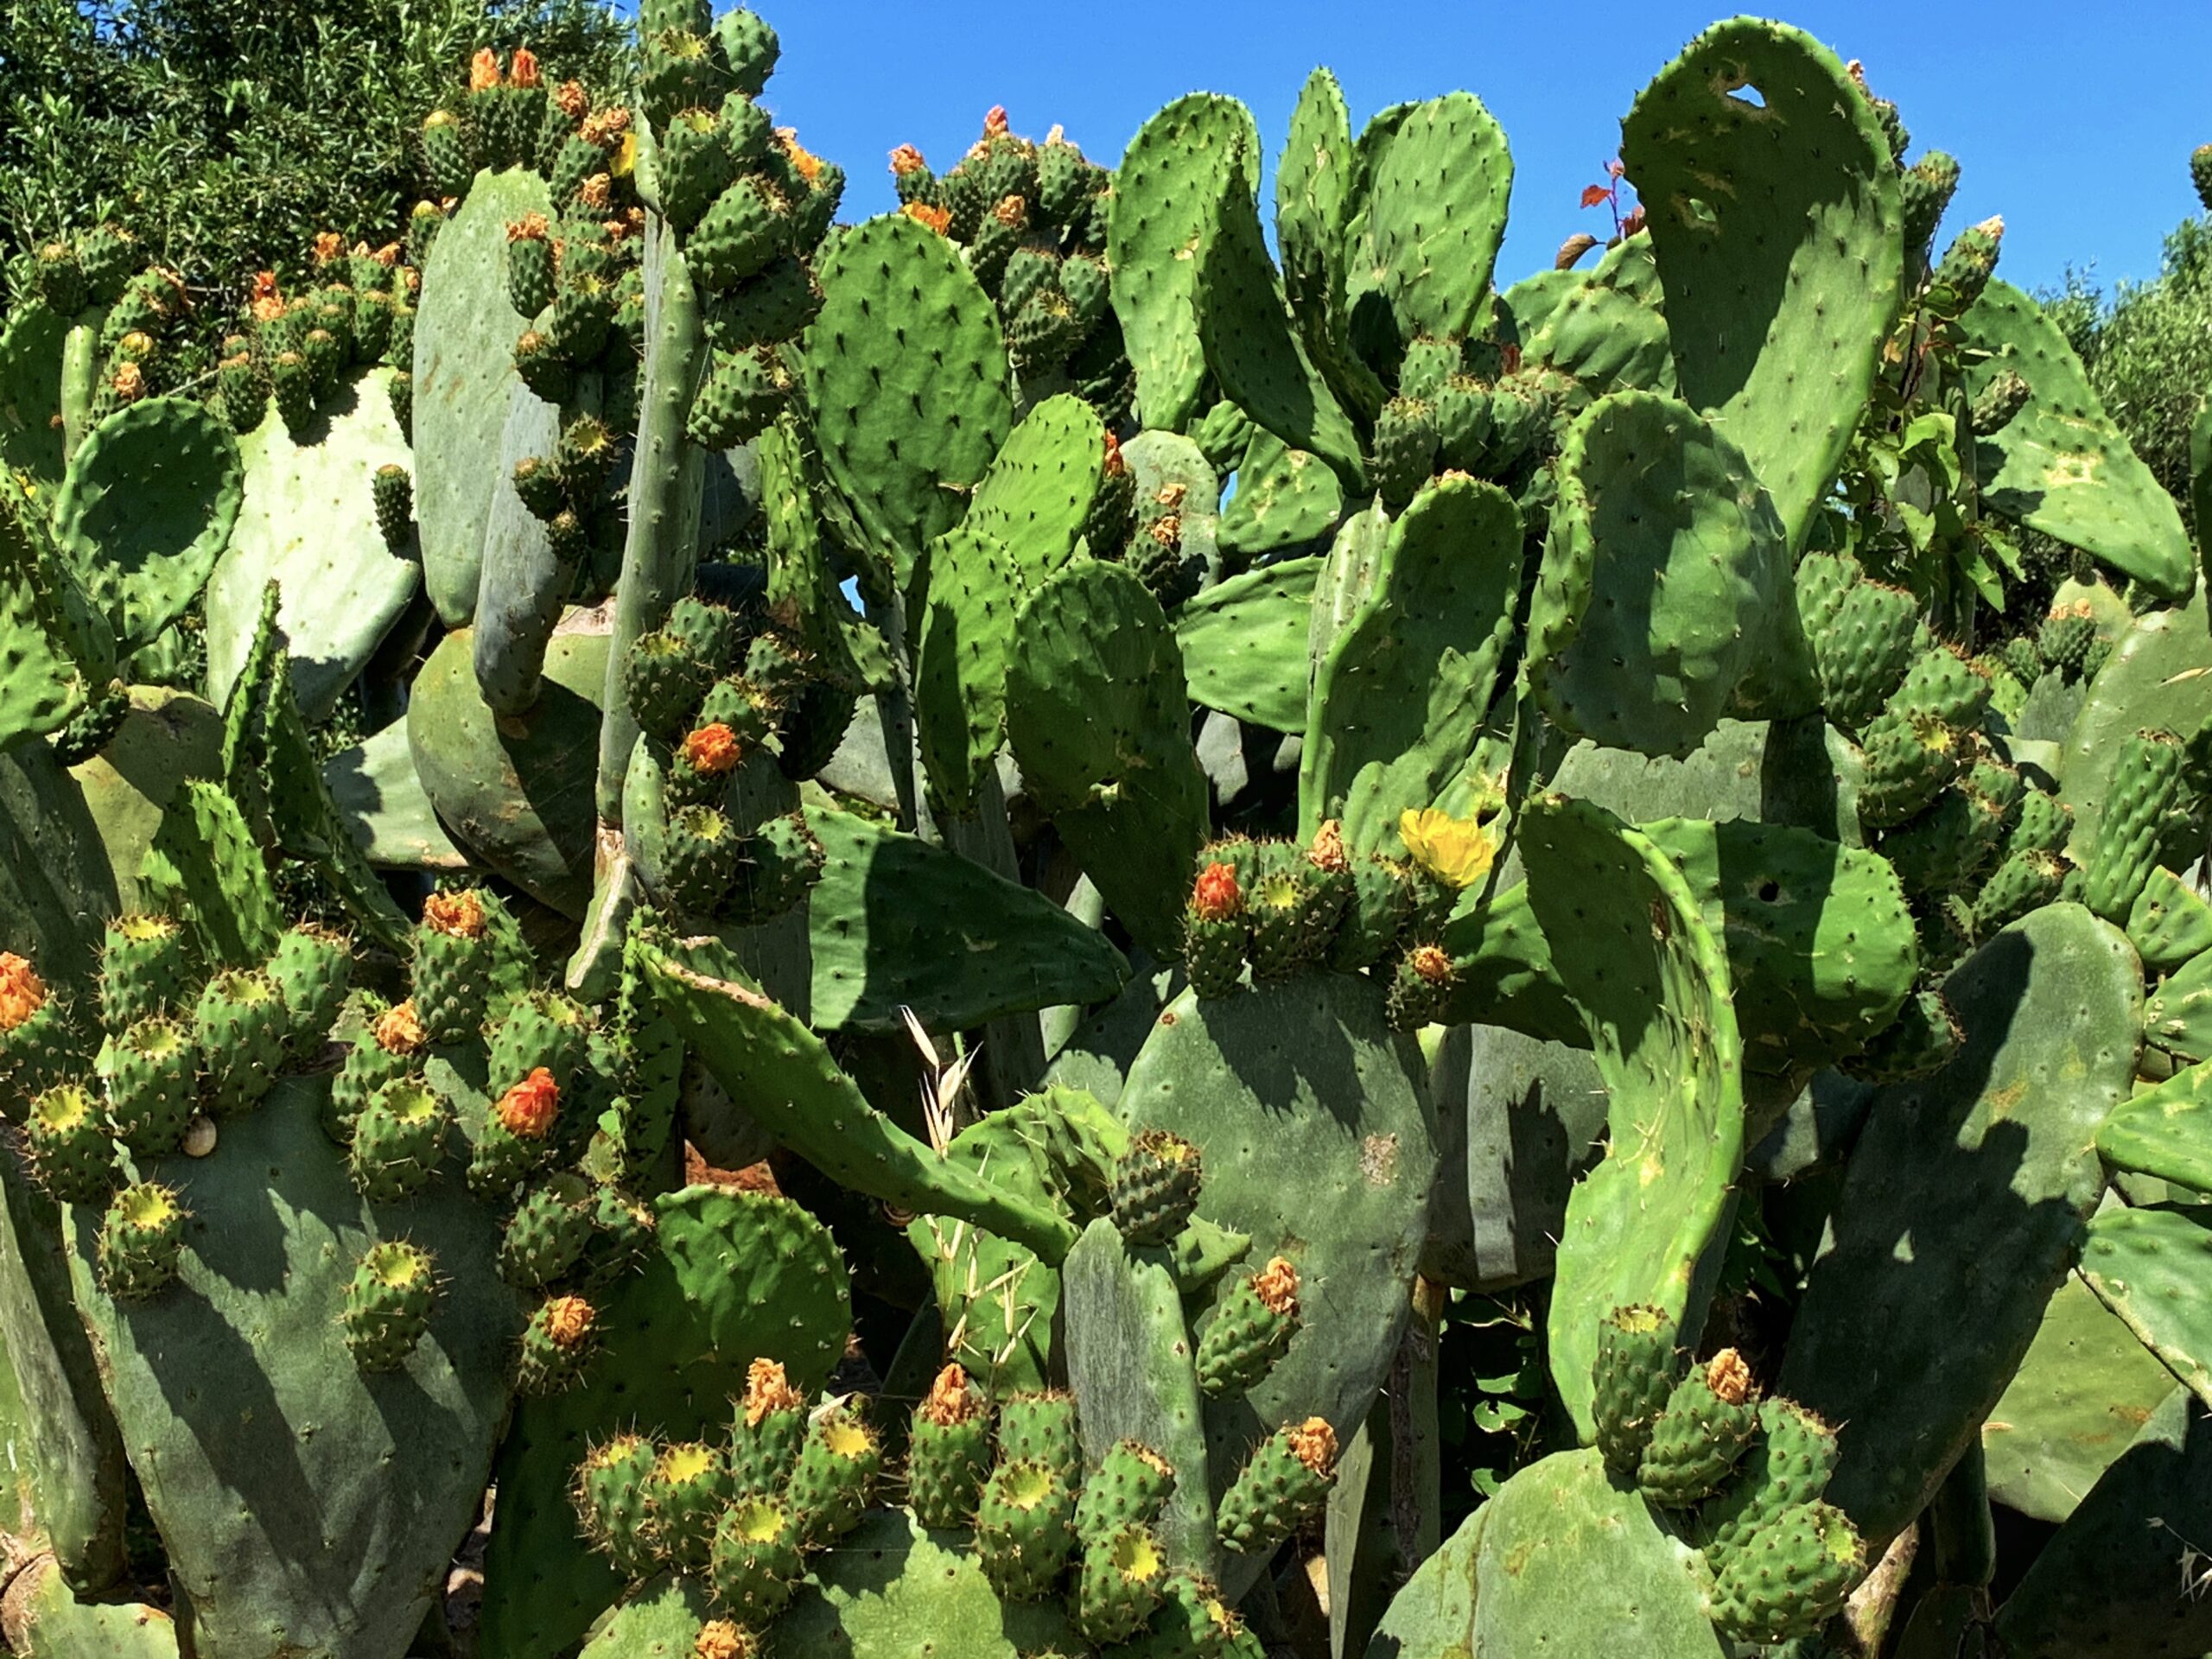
(1456, 851)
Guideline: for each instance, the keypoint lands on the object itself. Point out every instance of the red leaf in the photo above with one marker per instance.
(1594, 193)
(1634, 222)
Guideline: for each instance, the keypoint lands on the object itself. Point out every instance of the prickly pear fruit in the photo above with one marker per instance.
(741, 234)
(1040, 1427)
(1635, 1372)
(391, 491)
(949, 1451)
(1131, 1486)
(150, 1071)
(541, 1031)
(2022, 881)
(313, 967)
(547, 1234)
(517, 1137)
(2065, 638)
(684, 1499)
(1419, 989)
(1927, 187)
(388, 1304)
(1215, 931)
(142, 1239)
(240, 1026)
(1250, 1330)
(141, 968)
(1155, 1186)
(835, 1474)
(1708, 1420)
(700, 855)
(392, 1047)
(398, 1140)
(770, 1427)
(775, 866)
(1909, 758)
(1285, 1485)
(452, 966)
(1864, 650)
(2145, 777)
(755, 1559)
(663, 684)
(1024, 1530)
(1788, 1464)
(1121, 1581)
(69, 1146)
(1945, 684)
(611, 1496)
(1788, 1578)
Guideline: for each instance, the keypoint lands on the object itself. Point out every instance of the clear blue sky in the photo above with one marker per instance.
(2074, 121)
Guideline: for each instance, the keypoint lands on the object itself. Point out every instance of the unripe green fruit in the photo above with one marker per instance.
(1285, 1485)
(770, 1428)
(402, 393)
(1130, 1487)
(2146, 778)
(1635, 1372)
(1123, 1577)
(140, 1242)
(58, 279)
(2022, 881)
(775, 867)
(1790, 1579)
(1406, 441)
(69, 1146)
(531, 279)
(1926, 187)
(694, 165)
(292, 381)
(1708, 1420)
(388, 1304)
(699, 859)
(2065, 638)
(664, 685)
(745, 230)
(1788, 1464)
(392, 494)
(392, 1047)
(833, 1476)
(313, 969)
(240, 1026)
(713, 633)
(1040, 1427)
(775, 303)
(611, 1496)
(1024, 1530)
(585, 459)
(543, 366)
(541, 1030)
(755, 1559)
(547, 1234)
(540, 486)
(1420, 988)
(1250, 1331)
(452, 966)
(398, 1141)
(740, 398)
(557, 1345)
(749, 47)
(143, 969)
(1945, 684)
(1864, 652)
(1154, 1186)
(949, 1452)
(1909, 759)
(749, 712)
(151, 1071)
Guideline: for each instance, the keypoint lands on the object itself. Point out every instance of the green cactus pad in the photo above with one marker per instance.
(1161, 206)
(1244, 644)
(890, 1580)
(1400, 698)
(2151, 682)
(1435, 213)
(1676, 1104)
(2085, 1388)
(30, 393)
(463, 368)
(1285, 498)
(1806, 253)
(2061, 465)
(903, 326)
(145, 511)
(2144, 1265)
(1661, 514)
(1099, 722)
(257, 1316)
(2114, 1581)
(1989, 1155)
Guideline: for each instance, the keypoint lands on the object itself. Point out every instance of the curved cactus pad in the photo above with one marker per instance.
(1244, 644)
(1989, 1159)
(1780, 240)
(1637, 959)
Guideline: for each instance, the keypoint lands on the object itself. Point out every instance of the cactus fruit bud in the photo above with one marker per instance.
(556, 1344)
(2200, 173)
(1024, 1530)
(140, 1242)
(1284, 1486)
(1996, 404)
(834, 1475)
(1926, 187)
(388, 1304)
(403, 404)
(770, 1428)
(453, 965)
(69, 1146)
(2065, 638)
(1419, 989)
(1121, 1583)
(1708, 1420)
(663, 681)
(1967, 265)
(1041, 1427)
(1788, 1464)
(1154, 1186)
(1250, 1331)
(1635, 1372)
(1131, 1486)
(949, 1451)
(150, 1071)
(755, 1559)
(240, 1025)
(33, 1040)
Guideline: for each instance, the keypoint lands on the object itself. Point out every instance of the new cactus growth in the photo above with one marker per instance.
(836, 1472)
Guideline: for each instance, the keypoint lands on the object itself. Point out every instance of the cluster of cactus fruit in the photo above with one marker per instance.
(810, 668)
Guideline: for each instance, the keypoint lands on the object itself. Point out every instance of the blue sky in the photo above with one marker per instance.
(2075, 121)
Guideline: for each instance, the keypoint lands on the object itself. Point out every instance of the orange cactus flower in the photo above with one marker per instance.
(399, 1030)
(483, 71)
(523, 72)
(460, 914)
(328, 245)
(1216, 897)
(767, 1389)
(573, 101)
(1276, 1285)
(936, 218)
(995, 122)
(907, 159)
(1114, 465)
(712, 749)
(598, 192)
(802, 159)
(1011, 212)
(1314, 1443)
(22, 993)
(950, 1400)
(387, 256)
(527, 1110)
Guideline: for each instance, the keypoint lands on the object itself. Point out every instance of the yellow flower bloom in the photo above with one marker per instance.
(625, 156)
(1456, 851)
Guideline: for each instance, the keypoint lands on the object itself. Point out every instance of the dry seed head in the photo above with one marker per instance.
(569, 1320)
(949, 1400)
(907, 159)
(1327, 852)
